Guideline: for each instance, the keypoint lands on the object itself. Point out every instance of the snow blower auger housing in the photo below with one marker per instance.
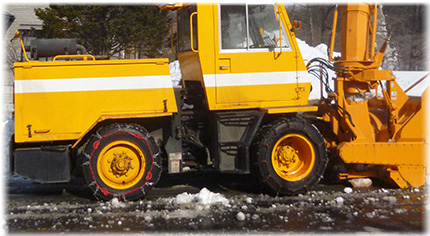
(377, 130)
(242, 107)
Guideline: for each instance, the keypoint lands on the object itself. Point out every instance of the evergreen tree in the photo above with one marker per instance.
(138, 30)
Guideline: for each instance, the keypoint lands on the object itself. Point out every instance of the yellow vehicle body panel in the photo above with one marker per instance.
(245, 79)
(61, 100)
(280, 110)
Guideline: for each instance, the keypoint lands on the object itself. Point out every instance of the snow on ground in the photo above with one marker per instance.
(327, 208)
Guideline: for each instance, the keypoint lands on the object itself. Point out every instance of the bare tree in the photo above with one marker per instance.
(406, 26)
(391, 61)
(13, 53)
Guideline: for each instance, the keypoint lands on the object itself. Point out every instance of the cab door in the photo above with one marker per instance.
(252, 70)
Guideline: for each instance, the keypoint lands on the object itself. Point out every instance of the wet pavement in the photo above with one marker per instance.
(327, 209)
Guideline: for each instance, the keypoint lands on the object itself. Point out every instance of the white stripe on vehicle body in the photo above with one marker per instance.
(92, 84)
(250, 79)
(156, 82)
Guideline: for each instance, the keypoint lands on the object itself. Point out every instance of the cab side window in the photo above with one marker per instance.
(233, 27)
(250, 27)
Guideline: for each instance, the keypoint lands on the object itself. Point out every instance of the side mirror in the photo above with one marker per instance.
(296, 25)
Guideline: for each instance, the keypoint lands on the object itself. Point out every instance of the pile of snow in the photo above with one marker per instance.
(195, 205)
(175, 73)
(309, 52)
(204, 197)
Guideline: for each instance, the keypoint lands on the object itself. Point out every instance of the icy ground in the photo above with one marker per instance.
(229, 205)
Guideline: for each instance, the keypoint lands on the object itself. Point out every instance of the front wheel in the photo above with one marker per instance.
(290, 156)
(122, 161)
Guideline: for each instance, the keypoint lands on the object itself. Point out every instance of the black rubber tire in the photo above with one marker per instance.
(261, 154)
(127, 132)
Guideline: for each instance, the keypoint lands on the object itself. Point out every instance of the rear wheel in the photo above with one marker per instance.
(290, 156)
(122, 161)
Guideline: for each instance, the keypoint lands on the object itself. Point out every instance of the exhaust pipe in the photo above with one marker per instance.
(53, 47)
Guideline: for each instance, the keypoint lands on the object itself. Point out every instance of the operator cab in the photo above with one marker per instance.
(242, 56)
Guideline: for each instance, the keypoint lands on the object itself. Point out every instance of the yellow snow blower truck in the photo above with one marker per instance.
(242, 107)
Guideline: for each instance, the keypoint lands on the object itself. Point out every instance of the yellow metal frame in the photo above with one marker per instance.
(277, 14)
(292, 109)
(191, 32)
(396, 139)
(18, 35)
(84, 57)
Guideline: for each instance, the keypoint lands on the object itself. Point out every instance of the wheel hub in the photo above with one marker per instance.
(287, 155)
(293, 157)
(121, 163)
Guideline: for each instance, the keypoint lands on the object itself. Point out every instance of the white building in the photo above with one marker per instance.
(24, 19)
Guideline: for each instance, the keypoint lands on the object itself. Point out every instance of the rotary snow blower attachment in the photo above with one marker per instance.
(375, 129)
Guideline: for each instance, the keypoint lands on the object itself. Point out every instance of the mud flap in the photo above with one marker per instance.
(43, 165)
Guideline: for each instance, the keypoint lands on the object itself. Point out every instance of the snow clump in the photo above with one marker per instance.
(339, 200)
(116, 203)
(361, 182)
(348, 190)
(240, 216)
(204, 197)
(175, 73)
(248, 200)
(183, 198)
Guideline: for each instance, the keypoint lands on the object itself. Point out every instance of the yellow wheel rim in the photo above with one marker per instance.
(121, 164)
(293, 157)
